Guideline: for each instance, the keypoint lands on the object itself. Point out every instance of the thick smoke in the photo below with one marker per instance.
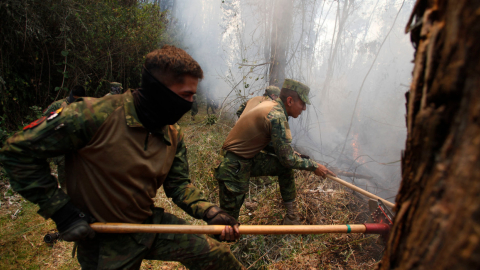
(358, 78)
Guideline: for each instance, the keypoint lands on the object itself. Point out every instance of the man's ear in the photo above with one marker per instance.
(289, 101)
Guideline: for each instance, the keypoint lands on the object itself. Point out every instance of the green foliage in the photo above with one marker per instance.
(49, 46)
(4, 133)
(211, 119)
(35, 114)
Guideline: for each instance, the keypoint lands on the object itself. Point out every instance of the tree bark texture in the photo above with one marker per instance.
(437, 225)
(348, 6)
(280, 38)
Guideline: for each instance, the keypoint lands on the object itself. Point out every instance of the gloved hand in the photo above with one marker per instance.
(302, 155)
(214, 215)
(72, 224)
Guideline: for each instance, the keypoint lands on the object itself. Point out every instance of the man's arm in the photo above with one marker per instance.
(53, 107)
(178, 186)
(24, 157)
(241, 109)
(281, 140)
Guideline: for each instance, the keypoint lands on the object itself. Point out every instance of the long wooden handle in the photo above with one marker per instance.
(217, 229)
(362, 191)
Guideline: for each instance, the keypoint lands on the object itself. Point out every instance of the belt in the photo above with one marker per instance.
(225, 153)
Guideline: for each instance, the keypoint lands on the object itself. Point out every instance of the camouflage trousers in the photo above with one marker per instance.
(126, 251)
(194, 109)
(233, 176)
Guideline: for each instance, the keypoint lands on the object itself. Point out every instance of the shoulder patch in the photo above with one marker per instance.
(54, 114)
(35, 123)
(288, 133)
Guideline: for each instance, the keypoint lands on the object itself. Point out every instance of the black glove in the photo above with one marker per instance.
(72, 224)
(304, 156)
(214, 215)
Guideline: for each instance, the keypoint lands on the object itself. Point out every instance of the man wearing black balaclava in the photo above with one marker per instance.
(119, 151)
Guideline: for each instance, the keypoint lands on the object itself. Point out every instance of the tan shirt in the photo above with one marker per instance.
(267, 122)
(255, 121)
(254, 102)
(112, 188)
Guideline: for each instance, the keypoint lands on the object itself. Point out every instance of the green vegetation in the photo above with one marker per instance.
(49, 46)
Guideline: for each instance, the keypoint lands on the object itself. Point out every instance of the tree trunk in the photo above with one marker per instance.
(437, 225)
(280, 38)
(342, 17)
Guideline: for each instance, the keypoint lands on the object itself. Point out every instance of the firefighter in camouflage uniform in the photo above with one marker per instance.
(115, 89)
(194, 109)
(120, 150)
(271, 93)
(245, 155)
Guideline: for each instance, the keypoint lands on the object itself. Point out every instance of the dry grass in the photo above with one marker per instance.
(21, 237)
(319, 201)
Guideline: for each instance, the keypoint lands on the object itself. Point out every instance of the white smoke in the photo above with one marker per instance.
(230, 39)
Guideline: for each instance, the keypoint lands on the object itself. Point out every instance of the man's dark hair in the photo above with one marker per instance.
(170, 64)
(78, 91)
(285, 93)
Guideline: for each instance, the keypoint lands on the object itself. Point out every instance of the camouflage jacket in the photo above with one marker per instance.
(24, 155)
(282, 139)
(249, 136)
(55, 106)
(241, 108)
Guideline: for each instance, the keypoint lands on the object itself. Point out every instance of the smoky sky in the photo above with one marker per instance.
(370, 66)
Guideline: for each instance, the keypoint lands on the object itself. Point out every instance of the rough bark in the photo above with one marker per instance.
(437, 225)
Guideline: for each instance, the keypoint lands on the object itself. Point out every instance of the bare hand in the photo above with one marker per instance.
(230, 234)
(322, 171)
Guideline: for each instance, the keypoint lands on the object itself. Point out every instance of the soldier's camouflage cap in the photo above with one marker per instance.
(116, 84)
(301, 89)
(272, 90)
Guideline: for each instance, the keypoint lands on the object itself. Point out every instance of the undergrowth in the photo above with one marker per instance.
(319, 201)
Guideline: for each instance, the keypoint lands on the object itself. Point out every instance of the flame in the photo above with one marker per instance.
(356, 150)
(355, 146)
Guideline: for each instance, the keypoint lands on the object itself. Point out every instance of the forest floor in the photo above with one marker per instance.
(320, 201)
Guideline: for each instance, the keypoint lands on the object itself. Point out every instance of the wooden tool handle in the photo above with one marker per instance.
(362, 191)
(217, 229)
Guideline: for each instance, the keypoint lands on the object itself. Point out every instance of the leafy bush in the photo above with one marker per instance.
(49, 46)
(211, 119)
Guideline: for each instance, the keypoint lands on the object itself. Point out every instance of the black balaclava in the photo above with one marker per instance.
(70, 98)
(78, 91)
(156, 105)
